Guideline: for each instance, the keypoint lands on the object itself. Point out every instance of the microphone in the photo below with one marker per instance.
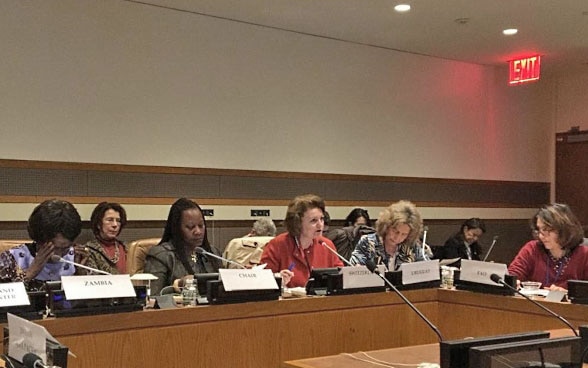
(374, 269)
(55, 258)
(491, 247)
(201, 250)
(497, 279)
(31, 360)
(337, 254)
(425, 230)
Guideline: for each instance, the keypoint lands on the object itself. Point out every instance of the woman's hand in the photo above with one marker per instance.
(558, 288)
(81, 254)
(44, 254)
(286, 276)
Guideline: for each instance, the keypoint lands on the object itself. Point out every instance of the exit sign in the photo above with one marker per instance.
(524, 70)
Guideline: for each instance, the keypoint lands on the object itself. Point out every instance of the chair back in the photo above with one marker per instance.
(6, 244)
(246, 251)
(137, 252)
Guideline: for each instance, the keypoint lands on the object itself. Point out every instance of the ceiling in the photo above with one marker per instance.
(555, 29)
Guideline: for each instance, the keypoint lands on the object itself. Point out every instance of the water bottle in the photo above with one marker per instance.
(189, 292)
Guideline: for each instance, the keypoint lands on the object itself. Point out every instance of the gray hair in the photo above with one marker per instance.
(264, 227)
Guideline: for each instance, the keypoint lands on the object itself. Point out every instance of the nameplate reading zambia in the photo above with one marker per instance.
(97, 287)
(13, 294)
(360, 277)
(247, 279)
(416, 272)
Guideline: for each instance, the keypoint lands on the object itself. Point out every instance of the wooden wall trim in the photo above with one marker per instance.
(26, 164)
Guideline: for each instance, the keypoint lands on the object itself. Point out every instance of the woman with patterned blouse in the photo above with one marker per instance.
(396, 239)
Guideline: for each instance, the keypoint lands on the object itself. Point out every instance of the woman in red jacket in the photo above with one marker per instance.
(556, 255)
(303, 247)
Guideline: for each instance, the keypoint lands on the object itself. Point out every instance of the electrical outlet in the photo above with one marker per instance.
(260, 213)
(208, 212)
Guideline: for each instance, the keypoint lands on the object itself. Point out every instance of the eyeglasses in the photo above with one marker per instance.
(545, 231)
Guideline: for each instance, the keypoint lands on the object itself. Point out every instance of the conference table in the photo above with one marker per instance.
(268, 333)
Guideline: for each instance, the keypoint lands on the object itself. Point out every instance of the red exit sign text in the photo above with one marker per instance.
(524, 70)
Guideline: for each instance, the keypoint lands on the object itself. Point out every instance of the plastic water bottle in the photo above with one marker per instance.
(189, 293)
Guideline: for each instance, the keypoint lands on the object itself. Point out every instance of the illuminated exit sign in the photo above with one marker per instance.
(524, 70)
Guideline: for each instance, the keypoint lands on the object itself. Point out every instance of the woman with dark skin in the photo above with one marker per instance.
(175, 257)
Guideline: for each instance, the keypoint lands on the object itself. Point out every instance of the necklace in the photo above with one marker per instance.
(116, 254)
(194, 257)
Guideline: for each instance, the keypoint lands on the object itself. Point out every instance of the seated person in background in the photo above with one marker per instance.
(464, 244)
(175, 257)
(263, 227)
(293, 254)
(556, 255)
(106, 252)
(53, 226)
(396, 239)
(358, 216)
(247, 250)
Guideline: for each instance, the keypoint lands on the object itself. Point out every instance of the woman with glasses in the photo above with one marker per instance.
(106, 251)
(555, 256)
(464, 244)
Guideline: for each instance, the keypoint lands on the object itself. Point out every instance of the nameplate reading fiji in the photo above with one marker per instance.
(97, 287)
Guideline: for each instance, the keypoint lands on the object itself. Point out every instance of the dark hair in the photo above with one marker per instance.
(98, 215)
(173, 232)
(53, 217)
(327, 218)
(560, 218)
(296, 210)
(473, 223)
(355, 214)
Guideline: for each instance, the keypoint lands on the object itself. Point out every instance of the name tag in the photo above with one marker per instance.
(415, 272)
(97, 287)
(25, 337)
(479, 272)
(360, 277)
(13, 294)
(247, 279)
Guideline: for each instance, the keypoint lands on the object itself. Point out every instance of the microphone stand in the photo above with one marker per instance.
(490, 249)
(200, 250)
(372, 267)
(337, 254)
(56, 258)
(497, 279)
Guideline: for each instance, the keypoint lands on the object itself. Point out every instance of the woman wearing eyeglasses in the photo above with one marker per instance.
(556, 255)
(106, 251)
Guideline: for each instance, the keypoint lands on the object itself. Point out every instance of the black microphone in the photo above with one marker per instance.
(337, 254)
(491, 247)
(201, 250)
(371, 265)
(55, 258)
(31, 360)
(497, 279)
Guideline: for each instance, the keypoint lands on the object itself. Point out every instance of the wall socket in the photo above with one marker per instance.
(208, 212)
(260, 213)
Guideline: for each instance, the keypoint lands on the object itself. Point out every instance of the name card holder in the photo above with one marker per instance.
(55, 352)
(419, 272)
(475, 276)
(330, 281)
(360, 277)
(243, 285)
(97, 287)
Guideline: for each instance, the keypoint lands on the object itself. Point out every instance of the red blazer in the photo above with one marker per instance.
(282, 253)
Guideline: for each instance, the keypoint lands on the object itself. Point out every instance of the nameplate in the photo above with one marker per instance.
(13, 294)
(360, 277)
(415, 272)
(479, 272)
(247, 279)
(97, 287)
(26, 337)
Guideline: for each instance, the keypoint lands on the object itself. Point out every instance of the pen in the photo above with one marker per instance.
(291, 267)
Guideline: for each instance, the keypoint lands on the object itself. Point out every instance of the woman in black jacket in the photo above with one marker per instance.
(464, 244)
